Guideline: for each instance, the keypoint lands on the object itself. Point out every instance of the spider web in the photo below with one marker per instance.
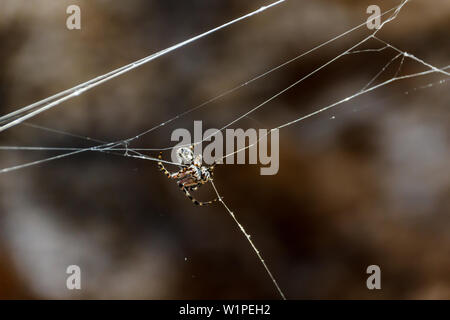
(123, 148)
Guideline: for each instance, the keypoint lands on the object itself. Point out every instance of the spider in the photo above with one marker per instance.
(192, 176)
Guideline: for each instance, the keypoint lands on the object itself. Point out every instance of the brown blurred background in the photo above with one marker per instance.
(365, 183)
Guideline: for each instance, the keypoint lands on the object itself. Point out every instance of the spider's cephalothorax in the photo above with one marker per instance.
(192, 176)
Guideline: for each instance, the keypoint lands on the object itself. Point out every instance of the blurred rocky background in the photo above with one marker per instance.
(365, 183)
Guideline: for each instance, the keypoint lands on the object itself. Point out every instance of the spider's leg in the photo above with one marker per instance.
(189, 184)
(195, 201)
(211, 170)
(180, 174)
(193, 187)
(162, 168)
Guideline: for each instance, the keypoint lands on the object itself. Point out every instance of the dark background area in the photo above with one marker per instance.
(365, 183)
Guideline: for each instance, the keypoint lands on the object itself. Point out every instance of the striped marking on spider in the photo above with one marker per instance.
(191, 177)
